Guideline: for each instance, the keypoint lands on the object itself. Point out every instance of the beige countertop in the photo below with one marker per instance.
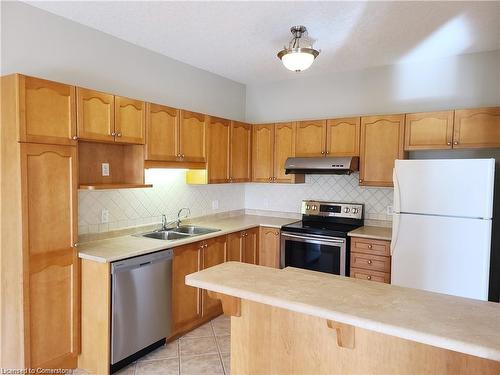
(460, 324)
(377, 233)
(113, 249)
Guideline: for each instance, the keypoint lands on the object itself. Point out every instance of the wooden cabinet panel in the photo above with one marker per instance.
(427, 131)
(284, 147)
(241, 152)
(95, 115)
(192, 129)
(47, 111)
(219, 143)
(162, 138)
(186, 300)
(269, 247)
(310, 139)
(370, 275)
(262, 152)
(371, 246)
(342, 136)
(381, 145)
(214, 252)
(250, 253)
(49, 186)
(477, 128)
(130, 117)
(370, 262)
(234, 247)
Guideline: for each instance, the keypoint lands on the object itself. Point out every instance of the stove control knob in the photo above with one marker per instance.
(314, 208)
(308, 207)
(347, 210)
(355, 210)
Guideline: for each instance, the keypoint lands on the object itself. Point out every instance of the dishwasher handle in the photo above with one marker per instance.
(141, 261)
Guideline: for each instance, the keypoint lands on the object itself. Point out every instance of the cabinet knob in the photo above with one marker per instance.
(178, 155)
(113, 134)
(370, 246)
(75, 244)
(206, 245)
(276, 233)
(369, 261)
(182, 156)
(360, 180)
(75, 137)
(448, 143)
(328, 152)
(270, 178)
(118, 134)
(322, 152)
(368, 277)
(274, 178)
(455, 142)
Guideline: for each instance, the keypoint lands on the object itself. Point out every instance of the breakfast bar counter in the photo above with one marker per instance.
(310, 322)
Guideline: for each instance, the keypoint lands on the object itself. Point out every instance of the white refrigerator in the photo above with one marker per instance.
(441, 233)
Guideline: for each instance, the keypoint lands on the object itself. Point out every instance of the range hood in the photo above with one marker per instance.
(322, 165)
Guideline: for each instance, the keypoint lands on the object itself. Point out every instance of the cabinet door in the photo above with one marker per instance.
(213, 253)
(381, 145)
(241, 152)
(49, 183)
(262, 152)
(251, 246)
(219, 144)
(269, 247)
(477, 128)
(342, 136)
(192, 137)
(234, 247)
(130, 119)
(95, 115)
(428, 131)
(310, 139)
(48, 111)
(284, 147)
(162, 138)
(186, 300)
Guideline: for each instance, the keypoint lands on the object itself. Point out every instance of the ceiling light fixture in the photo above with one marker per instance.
(296, 57)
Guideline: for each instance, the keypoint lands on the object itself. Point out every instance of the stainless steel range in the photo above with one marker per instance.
(320, 242)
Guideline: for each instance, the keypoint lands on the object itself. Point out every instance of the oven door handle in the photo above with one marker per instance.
(313, 238)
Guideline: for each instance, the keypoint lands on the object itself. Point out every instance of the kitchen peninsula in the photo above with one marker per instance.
(310, 322)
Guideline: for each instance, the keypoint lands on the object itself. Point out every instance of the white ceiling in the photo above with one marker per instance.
(239, 40)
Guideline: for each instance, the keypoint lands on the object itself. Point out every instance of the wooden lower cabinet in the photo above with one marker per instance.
(269, 247)
(370, 259)
(243, 246)
(214, 252)
(186, 300)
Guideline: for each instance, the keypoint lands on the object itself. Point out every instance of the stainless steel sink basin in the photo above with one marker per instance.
(194, 230)
(165, 235)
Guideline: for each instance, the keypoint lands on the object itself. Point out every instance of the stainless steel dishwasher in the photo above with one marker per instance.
(140, 306)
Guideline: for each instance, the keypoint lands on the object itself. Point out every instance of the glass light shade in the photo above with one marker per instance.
(297, 61)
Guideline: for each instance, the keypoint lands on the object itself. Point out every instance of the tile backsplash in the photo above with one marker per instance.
(132, 207)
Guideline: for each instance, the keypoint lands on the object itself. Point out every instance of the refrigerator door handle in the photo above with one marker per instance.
(397, 195)
(395, 231)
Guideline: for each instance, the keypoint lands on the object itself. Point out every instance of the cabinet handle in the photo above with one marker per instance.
(75, 137)
(369, 261)
(455, 142)
(369, 277)
(119, 134)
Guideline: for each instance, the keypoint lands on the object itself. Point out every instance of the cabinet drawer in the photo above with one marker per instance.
(381, 277)
(370, 262)
(370, 246)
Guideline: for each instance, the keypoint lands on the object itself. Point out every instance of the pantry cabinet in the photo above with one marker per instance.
(47, 111)
(381, 144)
(130, 118)
(311, 138)
(430, 130)
(192, 133)
(241, 152)
(269, 247)
(186, 300)
(214, 252)
(162, 133)
(477, 128)
(219, 148)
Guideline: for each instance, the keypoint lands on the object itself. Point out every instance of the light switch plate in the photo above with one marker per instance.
(215, 205)
(390, 210)
(105, 169)
(104, 216)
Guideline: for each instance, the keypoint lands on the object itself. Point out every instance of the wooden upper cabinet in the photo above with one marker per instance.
(241, 152)
(262, 152)
(162, 132)
(269, 247)
(192, 128)
(186, 300)
(219, 144)
(47, 111)
(284, 147)
(381, 145)
(49, 205)
(477, 128)
(431, 130)
(310, 139)
(95, 115)
(342, 136)
(214, 252)
(130, 118)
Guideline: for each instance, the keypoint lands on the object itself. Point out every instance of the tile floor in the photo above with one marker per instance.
(205, 350)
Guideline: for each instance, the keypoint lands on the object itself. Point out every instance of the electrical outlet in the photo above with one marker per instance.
(104, 216)
(105, 169)
(390, 211)
(215, 205)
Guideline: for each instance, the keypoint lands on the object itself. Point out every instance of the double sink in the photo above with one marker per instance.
(178, 233)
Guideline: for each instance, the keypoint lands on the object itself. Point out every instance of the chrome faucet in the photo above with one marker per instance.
(165, 224)
(179, 215)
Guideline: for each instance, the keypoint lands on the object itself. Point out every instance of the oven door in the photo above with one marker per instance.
(313, 252)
